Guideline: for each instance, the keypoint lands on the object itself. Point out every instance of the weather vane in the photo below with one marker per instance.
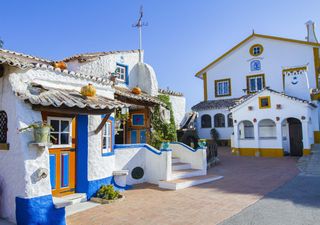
(139, 25)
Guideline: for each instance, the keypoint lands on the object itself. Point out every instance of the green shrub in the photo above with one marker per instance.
(108, 192)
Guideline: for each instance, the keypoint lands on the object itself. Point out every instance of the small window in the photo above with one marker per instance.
(222, 88)
(255, 83)
(206, 121)
(230, 120)
(267, 129)
(219, 120)
(255, 65)
(122, 72)
(264, 102)
(61, 133)
(107, 137)
(256, 50)
(3, 127)
(137, 119)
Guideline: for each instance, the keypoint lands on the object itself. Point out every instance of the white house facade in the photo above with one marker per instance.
(286, 66)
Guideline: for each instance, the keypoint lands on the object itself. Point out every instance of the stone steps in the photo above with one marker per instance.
(188, 182)
(76, 198)
(181, 166)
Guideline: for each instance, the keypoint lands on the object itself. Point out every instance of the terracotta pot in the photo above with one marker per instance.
(136, 90)
(88, 90)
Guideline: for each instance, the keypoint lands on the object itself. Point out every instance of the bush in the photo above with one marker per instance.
(107, 192)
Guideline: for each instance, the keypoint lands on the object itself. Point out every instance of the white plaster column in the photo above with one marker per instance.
(235, 136)
(256, 137)
(279, 134)
(305, 134)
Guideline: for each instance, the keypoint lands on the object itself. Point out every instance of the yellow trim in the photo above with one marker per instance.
(4, 146)
(316, 64)
(144, 119)
(256, 75)
(263, 152)
(269, 102)
(216, 89)
(205, 87)
(306, 152)
(316, 135)
(294, 69)
(199, 73)
(255, 46)
(315, 97)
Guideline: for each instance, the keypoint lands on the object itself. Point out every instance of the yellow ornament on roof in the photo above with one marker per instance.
(136, 90)
(88, 90)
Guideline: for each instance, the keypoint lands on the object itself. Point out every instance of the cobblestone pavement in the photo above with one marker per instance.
(246, 180)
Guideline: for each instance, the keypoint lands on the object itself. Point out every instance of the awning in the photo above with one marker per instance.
(67, 101)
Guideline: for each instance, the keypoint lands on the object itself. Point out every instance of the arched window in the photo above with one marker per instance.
(230, 121)
(219, 120)
(3, 127)
(267, 129)
(246, 130)
(206, 121)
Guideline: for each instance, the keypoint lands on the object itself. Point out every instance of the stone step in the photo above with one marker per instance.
(175, 160)
(188, 182)
(82, 206)
(76, 198)
(179, 174)
(180, 166)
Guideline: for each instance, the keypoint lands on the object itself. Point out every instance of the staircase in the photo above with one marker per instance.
(73, 203)
(183, 176)
(310, 165)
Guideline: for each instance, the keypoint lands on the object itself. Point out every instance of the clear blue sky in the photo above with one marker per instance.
(182, 37)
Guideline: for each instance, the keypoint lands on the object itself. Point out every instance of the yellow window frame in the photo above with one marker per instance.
(253, 76)
(268, 100)
(256, 46)
(216, 87)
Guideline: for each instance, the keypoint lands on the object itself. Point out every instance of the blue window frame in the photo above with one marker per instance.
(122, 70)
(107, 137)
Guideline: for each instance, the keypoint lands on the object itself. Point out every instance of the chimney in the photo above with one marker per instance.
(311, 33)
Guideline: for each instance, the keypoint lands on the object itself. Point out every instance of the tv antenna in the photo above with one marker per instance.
(139, 25)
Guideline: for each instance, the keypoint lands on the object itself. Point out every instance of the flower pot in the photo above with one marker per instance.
(165, 145)
(41, 134)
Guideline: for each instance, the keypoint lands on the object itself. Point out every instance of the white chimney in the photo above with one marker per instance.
(311, 33)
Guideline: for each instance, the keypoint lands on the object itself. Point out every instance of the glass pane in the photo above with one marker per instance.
(55, 125)
(252, 84)
(226, 88)
(104, 143)
(64, 138)
(220, 91)
(259, 83)
(54, 139)
(65, 126)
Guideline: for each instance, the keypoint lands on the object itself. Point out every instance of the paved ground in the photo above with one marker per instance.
(247, 179)
(295, 203)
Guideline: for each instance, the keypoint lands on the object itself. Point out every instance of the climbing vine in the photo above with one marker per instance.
(161, 131)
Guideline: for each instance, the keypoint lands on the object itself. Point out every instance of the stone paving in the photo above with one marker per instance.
(246, 180)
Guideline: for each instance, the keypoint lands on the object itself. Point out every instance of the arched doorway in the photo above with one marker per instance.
(295, 137)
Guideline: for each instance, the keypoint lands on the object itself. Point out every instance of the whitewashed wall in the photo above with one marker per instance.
(275, 56)
(179, 108)
(224, 132)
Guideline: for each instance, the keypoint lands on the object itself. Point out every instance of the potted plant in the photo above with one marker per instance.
(41, 131)
(106, 195)
(202, 143)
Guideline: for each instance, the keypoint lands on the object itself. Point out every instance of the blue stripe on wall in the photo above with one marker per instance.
(39, 210)
(53, 171)
(64, 169)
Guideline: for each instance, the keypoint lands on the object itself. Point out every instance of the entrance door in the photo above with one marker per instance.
(62, 155)
(138, 136)
(295, 134)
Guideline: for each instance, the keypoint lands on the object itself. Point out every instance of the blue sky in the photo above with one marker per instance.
(182, 37)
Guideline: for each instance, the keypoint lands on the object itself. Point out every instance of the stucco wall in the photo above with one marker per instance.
(224, 132)
(179, 108)
(276, 55)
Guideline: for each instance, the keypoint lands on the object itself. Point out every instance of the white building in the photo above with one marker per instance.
(85, 152)
(264, 90)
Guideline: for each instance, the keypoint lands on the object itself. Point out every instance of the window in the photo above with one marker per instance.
(206, 121)
(3, 127)
(222, 87)
(255, 83)
(255, 65)
(61, 133)
(264, 102)
(256, 50)
(230, 120)
(267, 129)
(107, 137)
(122, 72)
(137, 119)
(219, 120)
(246, 130)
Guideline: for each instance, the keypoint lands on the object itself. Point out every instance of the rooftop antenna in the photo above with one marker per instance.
(139, 25)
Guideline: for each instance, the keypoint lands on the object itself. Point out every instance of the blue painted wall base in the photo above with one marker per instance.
(39, 210)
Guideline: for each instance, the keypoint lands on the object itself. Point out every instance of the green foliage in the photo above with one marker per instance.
(107, 192)
(163, 132)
